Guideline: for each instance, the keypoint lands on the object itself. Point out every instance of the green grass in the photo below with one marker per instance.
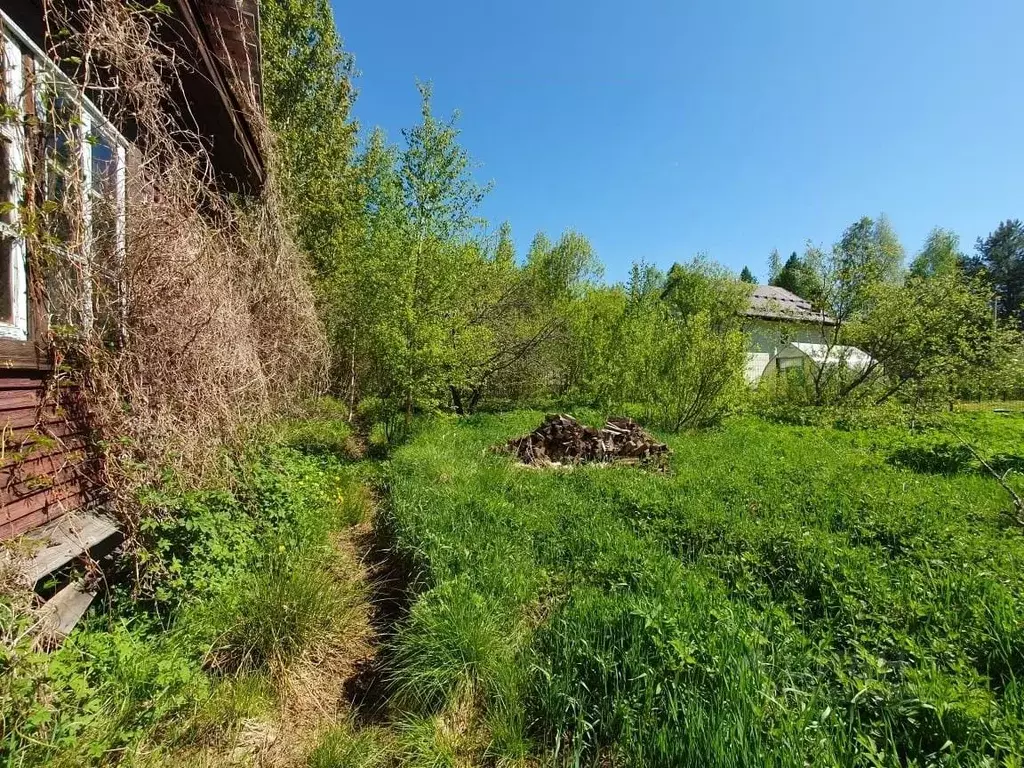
(783, 596)
(345, 747)
(239, 581)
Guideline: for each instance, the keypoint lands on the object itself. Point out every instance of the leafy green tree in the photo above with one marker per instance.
(505, 252)
(705, 286)
(441, 197)
(524, 310)
(856, 266)
(940, 255)
(867, 255)
(747, 276)
(365, 313)
(308, 96)
(797, 277)
(1001, 255)
(699, 372)
(774, 266)
(669, 346)
(890, 251)
(929, 337)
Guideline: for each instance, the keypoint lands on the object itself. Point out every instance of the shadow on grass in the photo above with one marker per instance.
(940, 459)
(951, 459)
(391, 578)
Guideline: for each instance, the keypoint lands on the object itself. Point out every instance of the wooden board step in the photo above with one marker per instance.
(61, 612)
(65, 539)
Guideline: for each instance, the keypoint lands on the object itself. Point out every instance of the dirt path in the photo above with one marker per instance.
(343, 686)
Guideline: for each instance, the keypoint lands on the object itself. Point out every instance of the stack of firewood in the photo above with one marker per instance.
(562, 439)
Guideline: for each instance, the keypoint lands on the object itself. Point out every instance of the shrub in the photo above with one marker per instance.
(700, 375)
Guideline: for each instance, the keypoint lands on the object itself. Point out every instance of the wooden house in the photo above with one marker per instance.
(48, 485)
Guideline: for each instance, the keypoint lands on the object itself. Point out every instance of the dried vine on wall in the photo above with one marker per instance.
(203, 325)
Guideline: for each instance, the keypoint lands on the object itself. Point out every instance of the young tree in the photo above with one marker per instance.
(367, 316)
(891, 253)
(867, 255)
(939, 256)
(774, 266)
(747, 276)
(440, 198)
(524, 310)
(929, 337)
(705, 286)
(505, 251)
(308, 96)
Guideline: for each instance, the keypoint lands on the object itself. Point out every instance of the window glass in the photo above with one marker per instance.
(56, 154)
(105, 205)
(73, 160)
(10, 125)
(104, 164)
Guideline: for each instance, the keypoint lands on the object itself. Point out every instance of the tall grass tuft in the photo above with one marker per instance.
(345, 747)
(265, 619)
(454, 646)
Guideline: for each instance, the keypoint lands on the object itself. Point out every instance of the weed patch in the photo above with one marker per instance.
(784, 595)
(239, 584)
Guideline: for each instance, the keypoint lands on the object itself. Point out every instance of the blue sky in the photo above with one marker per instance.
(662, 129)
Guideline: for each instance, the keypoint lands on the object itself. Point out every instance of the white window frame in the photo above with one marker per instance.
(16, 44)
(12, 132)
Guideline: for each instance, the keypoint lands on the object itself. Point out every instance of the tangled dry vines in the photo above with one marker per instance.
(203, 324)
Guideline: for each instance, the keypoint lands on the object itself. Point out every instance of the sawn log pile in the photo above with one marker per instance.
(563, 440)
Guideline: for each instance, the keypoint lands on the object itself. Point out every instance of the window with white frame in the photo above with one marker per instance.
(62, 167)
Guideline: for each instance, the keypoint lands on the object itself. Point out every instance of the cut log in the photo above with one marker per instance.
(562, 439)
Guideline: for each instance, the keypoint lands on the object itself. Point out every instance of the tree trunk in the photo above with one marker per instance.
(457, 400)
(352, 384)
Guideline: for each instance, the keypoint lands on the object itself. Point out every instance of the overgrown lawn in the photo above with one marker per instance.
(783, 595)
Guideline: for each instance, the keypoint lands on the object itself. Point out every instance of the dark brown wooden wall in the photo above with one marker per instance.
(45, 468)
(233, 28)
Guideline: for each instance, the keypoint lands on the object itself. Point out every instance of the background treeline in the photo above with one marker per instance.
(426, 307)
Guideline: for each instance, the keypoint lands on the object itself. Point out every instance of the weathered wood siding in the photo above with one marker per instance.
(45, 468)
(233, 28)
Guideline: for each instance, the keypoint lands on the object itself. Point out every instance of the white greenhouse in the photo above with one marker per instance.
(810, 357)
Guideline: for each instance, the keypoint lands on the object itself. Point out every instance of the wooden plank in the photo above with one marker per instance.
(22, 355)
(22, 436)
(13, 399)
(36, 397)
(18, 380)
(66, 539)
(40, 466)
(12, 458)
(28, 417)
(24, 524)
(27, 523)
(63, 611)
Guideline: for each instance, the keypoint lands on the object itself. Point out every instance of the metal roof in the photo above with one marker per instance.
(774, 303)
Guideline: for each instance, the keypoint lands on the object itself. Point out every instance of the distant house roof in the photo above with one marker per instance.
(773, 303)
(821, 354)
